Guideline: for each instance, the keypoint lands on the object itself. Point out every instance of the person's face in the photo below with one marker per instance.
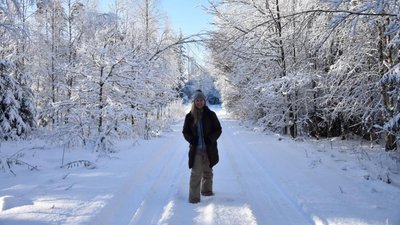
(199, 102)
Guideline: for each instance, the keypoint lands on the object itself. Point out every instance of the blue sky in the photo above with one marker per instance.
(187, 15)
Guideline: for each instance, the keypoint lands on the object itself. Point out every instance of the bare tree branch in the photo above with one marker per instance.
(349, 13)
(184, 40)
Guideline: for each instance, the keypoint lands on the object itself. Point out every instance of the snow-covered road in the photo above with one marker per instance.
(261, 179)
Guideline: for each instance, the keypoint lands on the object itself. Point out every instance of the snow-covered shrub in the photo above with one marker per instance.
(17, 111)
(7, 162)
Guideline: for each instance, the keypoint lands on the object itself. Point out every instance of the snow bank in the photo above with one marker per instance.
(9, 202)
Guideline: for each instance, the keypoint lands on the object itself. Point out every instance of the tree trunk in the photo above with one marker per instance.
(53, 55)
(291, 121)
(101, 84)
(386, 61)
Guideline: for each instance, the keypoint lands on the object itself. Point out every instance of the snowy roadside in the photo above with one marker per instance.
(261, 179)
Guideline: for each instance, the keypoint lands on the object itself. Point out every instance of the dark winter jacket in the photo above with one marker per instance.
(212, 130)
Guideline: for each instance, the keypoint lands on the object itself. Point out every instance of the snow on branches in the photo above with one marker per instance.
(390, 84)
(16, 105)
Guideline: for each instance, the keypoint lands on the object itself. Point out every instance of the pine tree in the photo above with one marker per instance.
(17, 111)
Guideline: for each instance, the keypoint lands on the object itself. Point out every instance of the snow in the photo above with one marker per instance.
(260, 179)
(8, 202)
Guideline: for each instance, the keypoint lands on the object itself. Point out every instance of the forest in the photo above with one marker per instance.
(320, 68)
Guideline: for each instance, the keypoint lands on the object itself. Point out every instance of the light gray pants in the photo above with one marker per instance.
(201, 178)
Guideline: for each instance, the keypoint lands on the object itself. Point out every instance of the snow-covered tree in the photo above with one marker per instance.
(318, 64)
(365, 60)
(17, 111)
(49, 60)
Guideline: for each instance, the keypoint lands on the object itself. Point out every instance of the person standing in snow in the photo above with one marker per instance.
(201, 129)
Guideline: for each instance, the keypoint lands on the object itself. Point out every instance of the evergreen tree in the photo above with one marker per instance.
(17, 111)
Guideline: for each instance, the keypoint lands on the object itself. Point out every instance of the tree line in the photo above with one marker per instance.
(311, 67)
(79, 76)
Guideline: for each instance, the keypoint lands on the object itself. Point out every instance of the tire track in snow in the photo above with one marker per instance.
(152, 181)
(163, 189)
(270, 204)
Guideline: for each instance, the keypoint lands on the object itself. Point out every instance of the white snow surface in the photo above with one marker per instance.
(260, 179)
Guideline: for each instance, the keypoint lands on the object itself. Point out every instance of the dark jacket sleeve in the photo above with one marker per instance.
(187, 131)
(217, 129)
(189, 137)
